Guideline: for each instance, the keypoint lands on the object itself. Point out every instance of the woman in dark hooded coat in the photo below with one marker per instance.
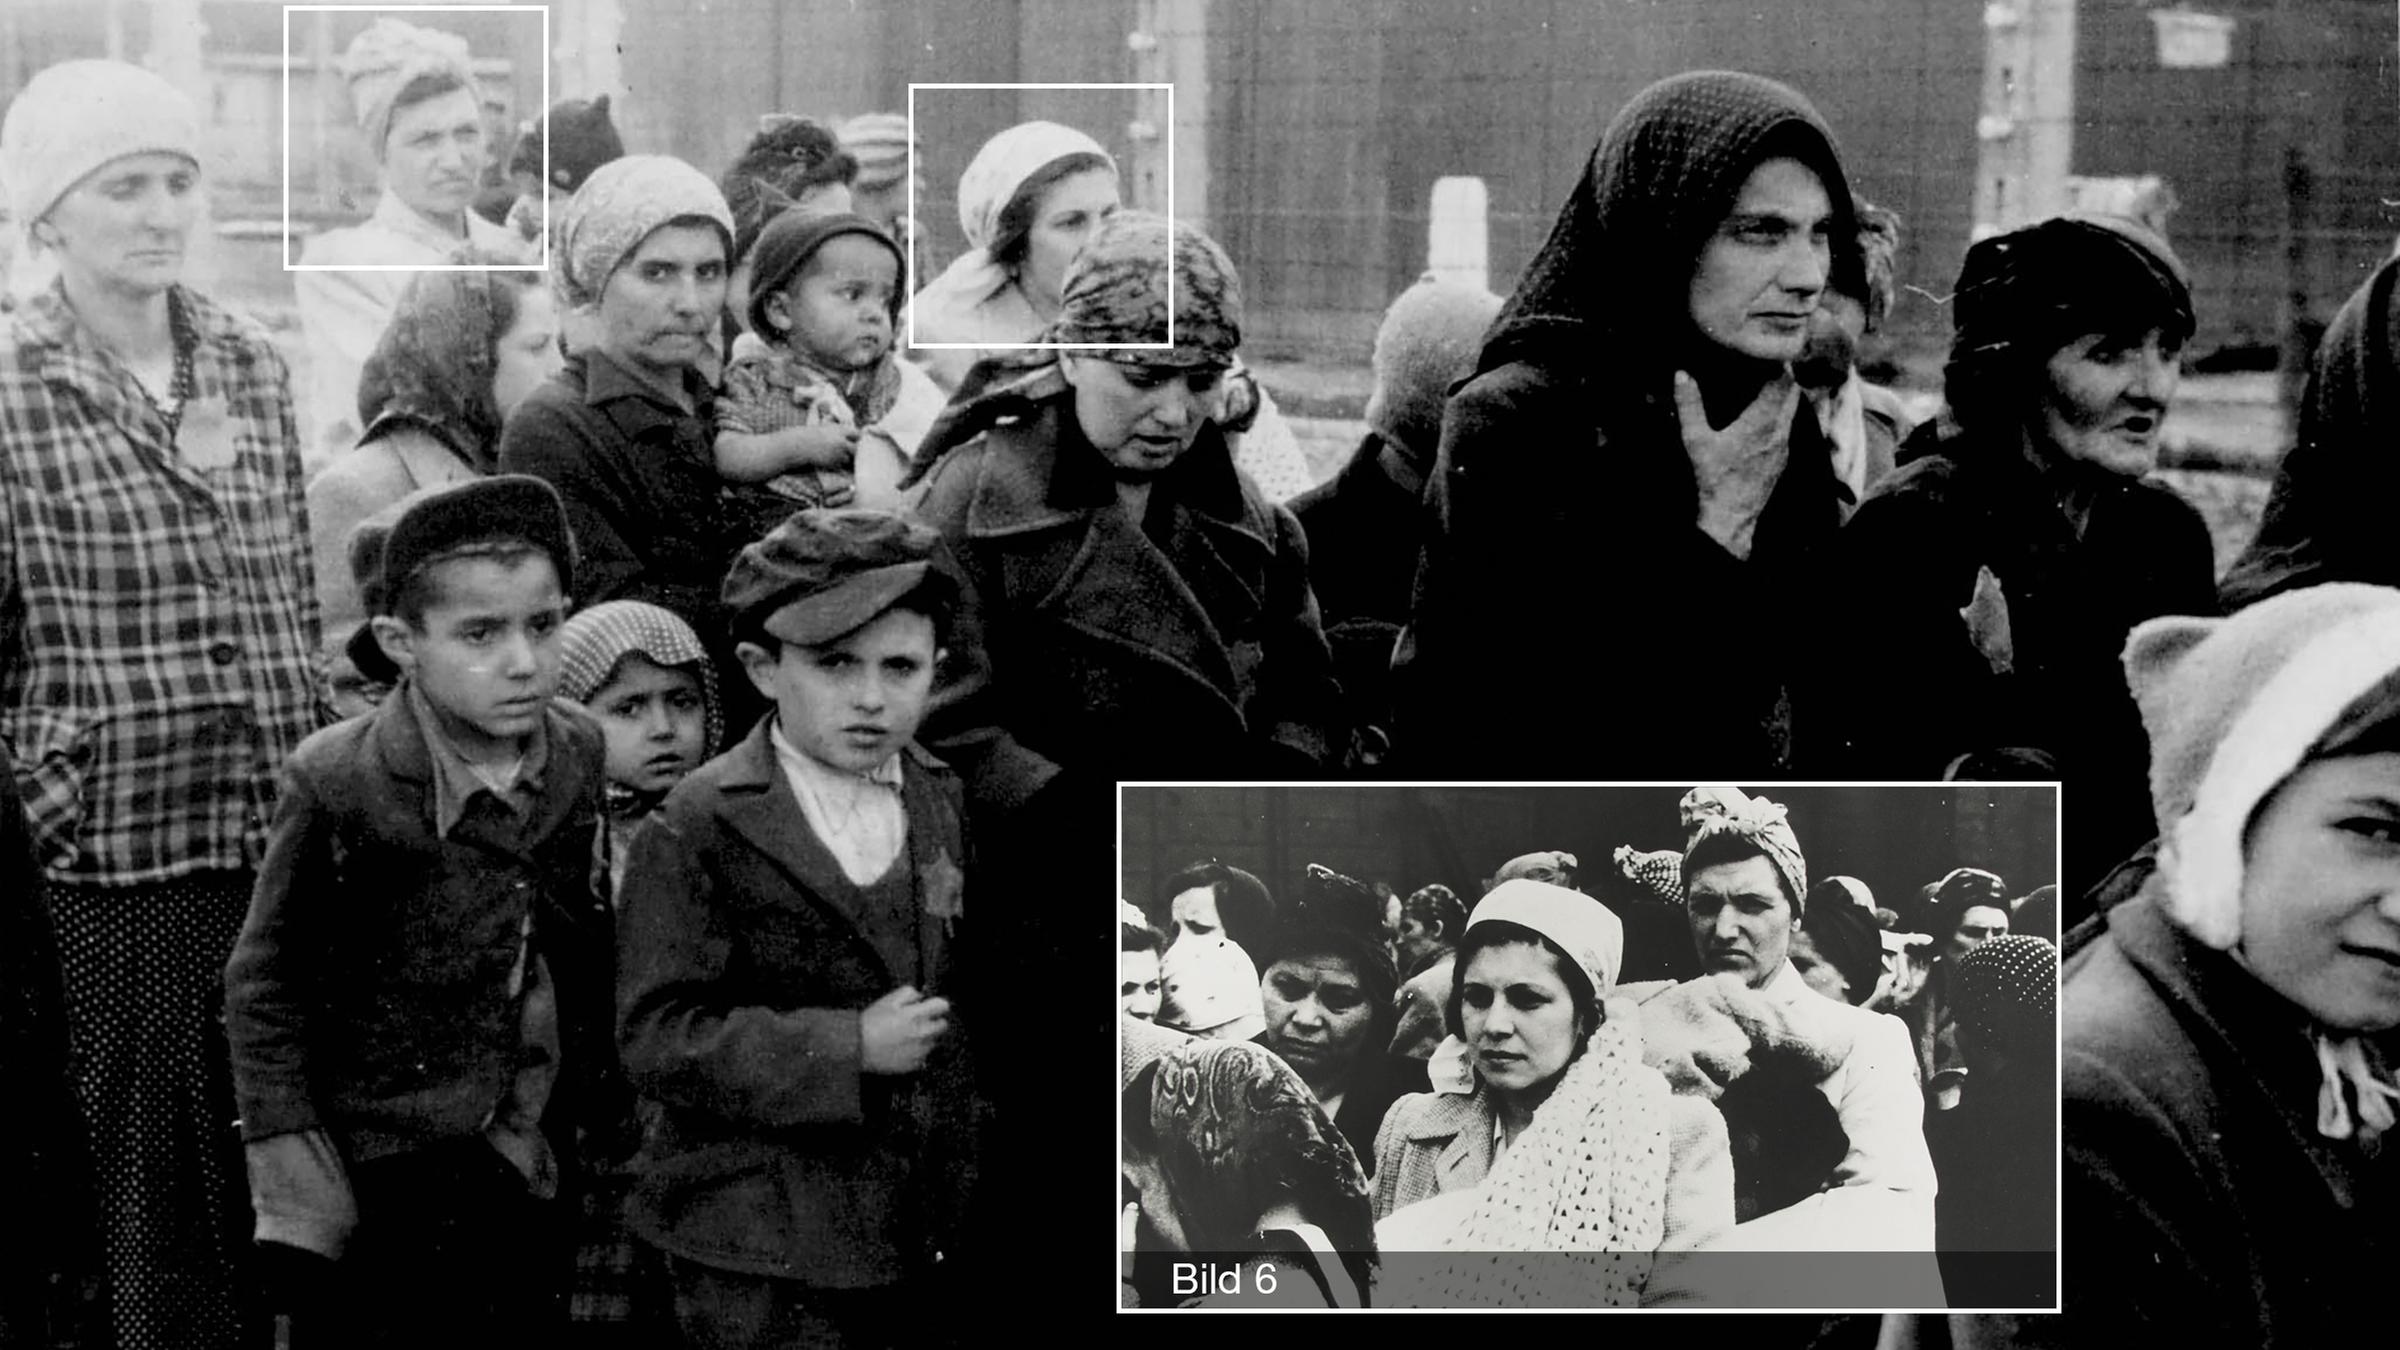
(1987, 587)
(2328, 517)
(1582, 484)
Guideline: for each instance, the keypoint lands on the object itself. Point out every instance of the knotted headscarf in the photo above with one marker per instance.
(991, 181)
(594, 643)
(1709, 812)
(433, 366)
(2023, 295)
(1237, 1133)
(388, 57)
(619, 206)
(1118, 287)
(1662, 179)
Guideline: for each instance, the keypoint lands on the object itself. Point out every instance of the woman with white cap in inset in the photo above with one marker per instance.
(1545, 1132)
(155, 659)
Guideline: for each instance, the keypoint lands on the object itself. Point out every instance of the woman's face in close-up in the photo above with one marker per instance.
(126, 227)
(1756, 283)
(1517, 1016)
(527, 353)
(1069, 211)
(434, 157)
(1138, 983)
(1194, 914)
(1142, 418)
(2321, 891)
(2104, 399)
(1318, 1013)
(659, 308)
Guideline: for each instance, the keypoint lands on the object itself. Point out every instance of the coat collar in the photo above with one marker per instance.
(1462, 1127)
(608, 380)
(1044, 472)
(2218, 1001)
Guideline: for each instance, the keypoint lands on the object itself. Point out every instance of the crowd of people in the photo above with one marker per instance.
(644, 1005)
(1800, 1071)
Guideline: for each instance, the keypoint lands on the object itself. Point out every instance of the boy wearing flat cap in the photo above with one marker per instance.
(417, 1004)
(785, 953)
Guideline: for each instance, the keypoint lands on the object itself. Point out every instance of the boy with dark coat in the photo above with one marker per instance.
(787, 951)
(416, 1004)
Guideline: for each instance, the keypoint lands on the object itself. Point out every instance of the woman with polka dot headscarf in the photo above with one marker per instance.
(1996, 1152)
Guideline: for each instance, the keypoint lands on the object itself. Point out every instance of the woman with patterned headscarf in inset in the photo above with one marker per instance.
(1996, 1152)
(1991, 581)
(414, 92)
(1633, 442)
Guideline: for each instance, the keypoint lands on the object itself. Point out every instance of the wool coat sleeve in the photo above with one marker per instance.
(544, 439)
(687, 1036)
(2129, 1179)
(1301, 708)
(272, 981)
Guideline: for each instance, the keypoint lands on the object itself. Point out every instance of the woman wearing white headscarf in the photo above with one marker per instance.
(161, 614)
(1027, 202)
(1545, 1131)
(414, 93)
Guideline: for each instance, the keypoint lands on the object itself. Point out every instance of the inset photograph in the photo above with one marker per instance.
(1589, 1047)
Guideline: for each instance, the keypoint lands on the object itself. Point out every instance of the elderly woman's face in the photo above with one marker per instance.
(656, 309)
(1318, 1014)
(2104, 398)
(2321, 891)
(1142, 418)
(1517, 1015)
(527, 353)
(1758, 277)
(127, 225)
(1073, 207)
(435, 153)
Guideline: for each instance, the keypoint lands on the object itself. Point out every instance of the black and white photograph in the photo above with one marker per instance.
(1723, 1049)
(588, 588)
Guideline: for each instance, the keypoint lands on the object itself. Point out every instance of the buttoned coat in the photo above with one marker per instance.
(745, 960)
(369, 991)
(1186, 646)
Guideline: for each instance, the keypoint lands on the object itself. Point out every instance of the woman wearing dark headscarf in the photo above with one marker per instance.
(1136, 602)
(1326, 984)
(1991, 582)
(2327, 518)
(1629, 446)
(1226, 1151)
(2227, 1041)
(462, 351)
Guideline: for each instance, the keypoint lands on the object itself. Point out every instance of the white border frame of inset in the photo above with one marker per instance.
(1168, 345)
(543, 265)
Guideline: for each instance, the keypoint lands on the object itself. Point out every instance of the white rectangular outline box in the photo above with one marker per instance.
(1168, 345)
(543, 265)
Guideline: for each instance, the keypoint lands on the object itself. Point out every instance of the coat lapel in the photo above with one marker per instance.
(1465, 1131)
(761, 810)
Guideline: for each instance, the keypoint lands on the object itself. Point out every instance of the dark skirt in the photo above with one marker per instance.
(144, 970)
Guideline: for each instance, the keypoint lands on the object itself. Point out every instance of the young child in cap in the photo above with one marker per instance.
(785, 943)
(416, 1005)
(643, 674)
(814, 400)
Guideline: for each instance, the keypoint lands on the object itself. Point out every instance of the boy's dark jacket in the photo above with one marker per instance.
(368, 993)
(744, 969)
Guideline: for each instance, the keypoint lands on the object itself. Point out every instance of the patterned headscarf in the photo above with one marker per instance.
(433, 366)
(619, 206)
(1237, 1133)
(880, 143)
(387, 58)
(1117, 290)
(1663, 177)
(596, 641)
(1731, 811)
(2008, 992)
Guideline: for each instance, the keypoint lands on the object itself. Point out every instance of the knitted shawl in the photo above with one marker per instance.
(1586, 1180)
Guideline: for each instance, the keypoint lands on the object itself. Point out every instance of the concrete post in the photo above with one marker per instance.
(1458, 236)
(2027, 129)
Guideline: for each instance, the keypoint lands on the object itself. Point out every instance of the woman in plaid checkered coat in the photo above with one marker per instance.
(157, 615)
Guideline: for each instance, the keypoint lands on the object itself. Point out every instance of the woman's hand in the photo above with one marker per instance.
(1737, 468)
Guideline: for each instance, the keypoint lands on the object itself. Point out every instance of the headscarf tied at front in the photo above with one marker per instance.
(1727, 810)
(388, 57)
(619, 206)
